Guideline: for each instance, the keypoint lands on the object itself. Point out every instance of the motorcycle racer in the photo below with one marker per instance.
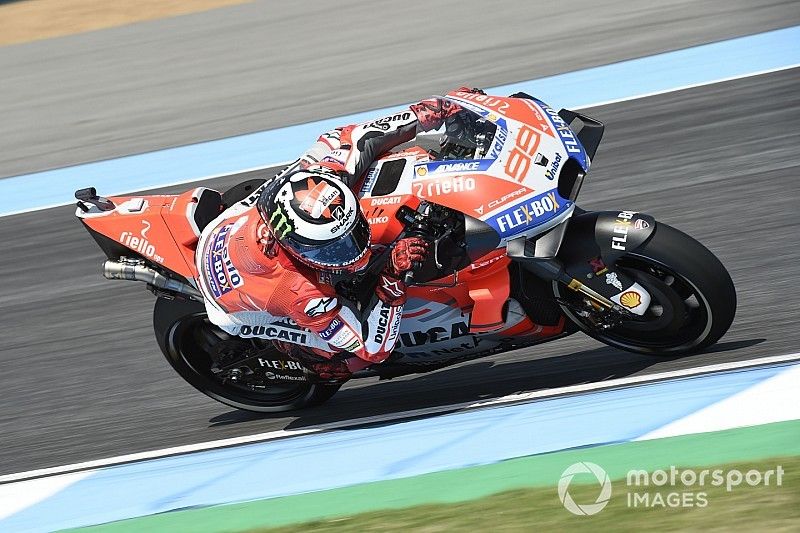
(277, 259)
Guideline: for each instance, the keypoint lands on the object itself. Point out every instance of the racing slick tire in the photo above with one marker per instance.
(186, 338)
(694, 299)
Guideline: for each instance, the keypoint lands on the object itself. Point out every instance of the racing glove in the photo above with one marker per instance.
(431, 113)
(391, 290)
(405, 253)
(331, 167)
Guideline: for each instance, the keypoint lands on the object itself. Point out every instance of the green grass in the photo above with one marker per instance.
(745, 508)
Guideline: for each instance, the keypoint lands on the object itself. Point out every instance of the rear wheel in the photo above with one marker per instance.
(693, 298)
(191, 345)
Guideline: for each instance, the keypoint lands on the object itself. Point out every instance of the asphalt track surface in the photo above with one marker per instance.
(83, 379)
(267, 64)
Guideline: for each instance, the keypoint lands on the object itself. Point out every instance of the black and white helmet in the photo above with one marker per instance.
(317, 219)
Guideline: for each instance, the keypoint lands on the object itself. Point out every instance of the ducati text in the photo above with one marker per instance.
(272, 332)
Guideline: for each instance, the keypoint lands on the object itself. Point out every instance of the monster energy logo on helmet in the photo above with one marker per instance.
(280, 224)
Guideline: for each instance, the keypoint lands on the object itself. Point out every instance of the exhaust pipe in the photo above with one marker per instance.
(136, 271)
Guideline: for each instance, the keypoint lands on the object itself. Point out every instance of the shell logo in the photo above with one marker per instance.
(630, 299)
(421, 171)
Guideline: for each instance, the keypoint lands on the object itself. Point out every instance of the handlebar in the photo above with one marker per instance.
(415, 225)
(408, 277)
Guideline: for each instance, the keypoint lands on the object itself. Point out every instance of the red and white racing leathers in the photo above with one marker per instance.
(251, 286)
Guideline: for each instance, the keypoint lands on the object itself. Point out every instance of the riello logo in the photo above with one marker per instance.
(141, 245)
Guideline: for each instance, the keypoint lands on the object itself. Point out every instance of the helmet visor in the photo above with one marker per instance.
(342, 252)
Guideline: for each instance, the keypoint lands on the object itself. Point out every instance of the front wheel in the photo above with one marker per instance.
(693, 298)
(189, 341)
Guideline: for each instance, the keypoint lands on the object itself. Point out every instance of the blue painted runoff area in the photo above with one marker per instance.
(638, 77)
(352, 456)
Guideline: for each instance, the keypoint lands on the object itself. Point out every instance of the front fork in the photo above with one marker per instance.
(592, 242)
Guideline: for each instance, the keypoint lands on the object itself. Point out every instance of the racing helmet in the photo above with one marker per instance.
(317, 220)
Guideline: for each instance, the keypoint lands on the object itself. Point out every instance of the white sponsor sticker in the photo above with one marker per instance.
(635, 298)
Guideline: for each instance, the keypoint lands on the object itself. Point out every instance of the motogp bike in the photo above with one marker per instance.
(515, 261)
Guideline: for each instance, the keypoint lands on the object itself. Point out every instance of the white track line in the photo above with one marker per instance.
(512, 398)
(283, 163)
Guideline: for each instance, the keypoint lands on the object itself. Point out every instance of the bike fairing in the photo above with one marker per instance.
(433, 168)
(530, 210)
(529, 213)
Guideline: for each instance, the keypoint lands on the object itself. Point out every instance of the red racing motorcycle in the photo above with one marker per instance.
(515, 262)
